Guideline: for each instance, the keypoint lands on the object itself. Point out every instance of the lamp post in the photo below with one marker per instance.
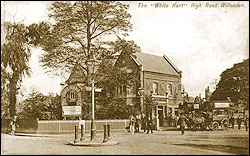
(167, 108)
(92, 68)
(182, 95)
(141, 94)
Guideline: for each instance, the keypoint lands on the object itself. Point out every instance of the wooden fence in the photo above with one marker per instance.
(62, 126)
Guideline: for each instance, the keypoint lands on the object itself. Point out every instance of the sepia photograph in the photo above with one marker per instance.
(124, 77)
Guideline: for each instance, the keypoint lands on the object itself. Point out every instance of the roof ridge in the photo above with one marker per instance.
(155, 63)
(171, 63)
(148, 54)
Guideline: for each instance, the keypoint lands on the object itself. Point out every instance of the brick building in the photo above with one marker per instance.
(157, 76)
(74, 98)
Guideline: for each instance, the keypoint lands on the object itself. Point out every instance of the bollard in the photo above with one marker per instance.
(105, 133)
(82, 132)
(76, 133)
(109, 132)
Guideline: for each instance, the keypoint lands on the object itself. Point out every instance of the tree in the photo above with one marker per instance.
(4, 93)
(234, 83)
(113, 75)
(39, 106)
(34, 106)
(15, 55)
(150, 104)
(53, 106)
(79, 32)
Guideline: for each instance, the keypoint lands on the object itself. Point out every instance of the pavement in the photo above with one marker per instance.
(229, 142)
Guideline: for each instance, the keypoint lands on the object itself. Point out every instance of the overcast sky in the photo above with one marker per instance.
(201, 42)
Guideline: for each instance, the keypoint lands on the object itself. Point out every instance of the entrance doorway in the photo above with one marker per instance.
(160, 115)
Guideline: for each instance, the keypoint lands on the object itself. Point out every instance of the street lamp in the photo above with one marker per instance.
(182, 94)
(92, 68)
(141, 94)
(167, 107)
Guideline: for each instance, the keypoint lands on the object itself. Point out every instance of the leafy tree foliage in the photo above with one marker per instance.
(150, 104)
(78, 31)
(109, 108)
(15, 54)
(38, 106)
(81, 31)
(111, 75)
(234, 83)
(4, 94)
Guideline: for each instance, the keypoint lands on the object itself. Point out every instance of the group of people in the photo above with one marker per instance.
(140, 122)
(240, 119)
(183, 121)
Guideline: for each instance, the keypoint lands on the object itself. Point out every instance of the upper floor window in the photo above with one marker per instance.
(155, 88)
(169, 89)
(71, 96)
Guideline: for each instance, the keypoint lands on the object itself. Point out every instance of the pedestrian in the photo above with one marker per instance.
(140, 121)
(81, 122)
(232, 120)
(132, 124)
(170, 120)
(149, 125)
(246, 122)
(137, 123)
(144, 122)
(13, 125)
(174, 120)
(239, 121)
(182, 123)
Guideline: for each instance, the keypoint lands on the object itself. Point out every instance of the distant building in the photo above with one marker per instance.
(74, 98)
(157, 76)
(207, 94)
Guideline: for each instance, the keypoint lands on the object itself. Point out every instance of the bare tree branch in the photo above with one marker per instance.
(103, 32)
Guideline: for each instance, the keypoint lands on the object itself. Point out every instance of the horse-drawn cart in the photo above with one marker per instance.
(214, 118)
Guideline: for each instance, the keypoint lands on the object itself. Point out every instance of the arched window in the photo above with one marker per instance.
(169, 89)
(155, 88)
(71, 96)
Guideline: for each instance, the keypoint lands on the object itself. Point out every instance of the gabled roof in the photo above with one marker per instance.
(158, 64)
(77, 75)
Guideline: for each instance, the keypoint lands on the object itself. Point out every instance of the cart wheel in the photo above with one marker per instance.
(210, 126)
(215, 126)
(225, 124)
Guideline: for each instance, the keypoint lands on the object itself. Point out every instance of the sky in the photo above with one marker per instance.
(202, 42)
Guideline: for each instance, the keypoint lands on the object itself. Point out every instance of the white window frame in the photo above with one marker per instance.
(170, 89)
(155, 88)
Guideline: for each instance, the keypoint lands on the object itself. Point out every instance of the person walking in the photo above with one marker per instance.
(239, 121)
(170, 120)
(132, 124)
(182, 123)
(149, 125)
(13, 126)
(232, 120)
(144, 122)
(246, 123)
(137, 123)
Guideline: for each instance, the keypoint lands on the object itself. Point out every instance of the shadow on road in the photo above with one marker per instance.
(220, 148)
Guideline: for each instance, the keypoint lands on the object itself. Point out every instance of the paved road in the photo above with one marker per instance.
(230, 142)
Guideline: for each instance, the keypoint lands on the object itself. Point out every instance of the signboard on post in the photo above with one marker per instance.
(71, 110)
(196, 106)
(88, 89)
(221, 105)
